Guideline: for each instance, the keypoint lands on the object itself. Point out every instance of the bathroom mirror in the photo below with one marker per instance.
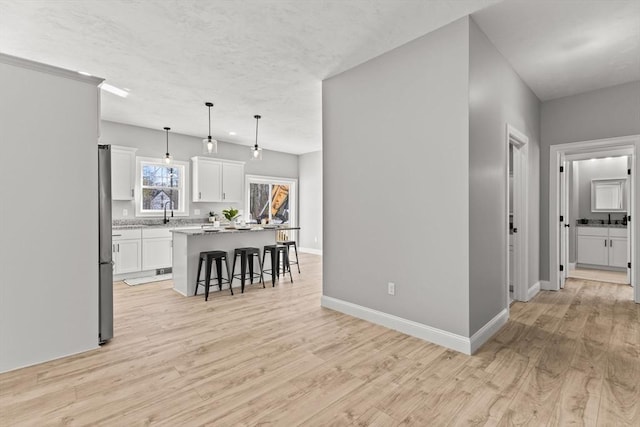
(608, 195)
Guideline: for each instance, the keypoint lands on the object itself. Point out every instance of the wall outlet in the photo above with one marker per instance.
(196, 211)
(125, 212)
(391, 288)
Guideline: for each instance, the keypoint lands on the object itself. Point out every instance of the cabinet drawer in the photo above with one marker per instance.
(617, 232)
(126, 234)
(593, 231)
(150, 233)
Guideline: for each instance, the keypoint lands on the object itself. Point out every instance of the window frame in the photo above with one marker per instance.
(183, 204)
(261, 179)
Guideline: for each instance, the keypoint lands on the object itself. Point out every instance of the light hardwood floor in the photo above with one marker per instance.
(599, 275)
(275, 357)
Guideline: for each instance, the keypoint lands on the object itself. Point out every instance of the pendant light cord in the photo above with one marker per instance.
(167, 131)
(209, 122)
(257, 120)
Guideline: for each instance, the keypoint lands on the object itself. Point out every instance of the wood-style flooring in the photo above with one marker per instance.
(599, 275)
(274, 357)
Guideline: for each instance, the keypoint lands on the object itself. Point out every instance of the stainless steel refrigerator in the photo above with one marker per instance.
(105, 283)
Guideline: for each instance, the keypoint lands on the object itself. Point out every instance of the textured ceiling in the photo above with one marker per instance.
(565, 47)
(263, 57)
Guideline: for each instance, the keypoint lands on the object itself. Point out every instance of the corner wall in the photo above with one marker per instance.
(497, 96)
(310, 189)
(396, 133)
(602, 113)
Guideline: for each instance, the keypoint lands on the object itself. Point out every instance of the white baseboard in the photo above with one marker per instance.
(488, 330)
(572, 266)
(533, 291)
(437, 336)
(311, 251)
(545, 285)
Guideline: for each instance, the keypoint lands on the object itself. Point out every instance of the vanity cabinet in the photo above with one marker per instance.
(215, 180)
(123, 171)
(602, 246)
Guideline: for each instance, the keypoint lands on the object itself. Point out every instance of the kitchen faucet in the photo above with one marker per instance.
(165, 219)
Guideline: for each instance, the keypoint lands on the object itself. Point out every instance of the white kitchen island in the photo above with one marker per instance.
(188, 243)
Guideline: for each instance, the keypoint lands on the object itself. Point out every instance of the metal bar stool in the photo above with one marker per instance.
(208, 258)
(246, 255)
(288, 244)
(275, 251)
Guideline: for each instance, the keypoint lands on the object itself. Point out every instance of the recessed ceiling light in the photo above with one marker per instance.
(232, 133)
(114, 90)
(84, 73)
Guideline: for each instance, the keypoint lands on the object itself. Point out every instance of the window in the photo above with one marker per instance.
(272, 199)
(159, 186)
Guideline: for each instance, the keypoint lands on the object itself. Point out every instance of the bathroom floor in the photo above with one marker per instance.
(599, 275)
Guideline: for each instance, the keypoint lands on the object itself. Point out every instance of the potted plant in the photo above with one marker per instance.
(212, 216)
(230, 214)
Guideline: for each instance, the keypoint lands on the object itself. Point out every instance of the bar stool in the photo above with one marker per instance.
(275, 251)
(288, 244)
(208, 258)
(246, 254)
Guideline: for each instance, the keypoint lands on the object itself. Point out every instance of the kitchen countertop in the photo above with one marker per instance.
(192, 231)
(602, 225)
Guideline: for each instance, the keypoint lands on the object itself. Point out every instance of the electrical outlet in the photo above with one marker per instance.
(125, 212)
(196, 211)
(391, 288)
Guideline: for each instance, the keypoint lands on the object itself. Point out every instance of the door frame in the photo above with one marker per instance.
(520, 144)
(625, 145)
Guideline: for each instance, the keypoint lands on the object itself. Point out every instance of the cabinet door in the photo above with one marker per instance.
(593, 250)
(207, 178)
(128, 256)
(232, 182)
(618, 252)
(156, 253)
(122, 174)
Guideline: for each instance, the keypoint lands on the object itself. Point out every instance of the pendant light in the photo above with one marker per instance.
(167, 157)
(256, 152)
(209, 145)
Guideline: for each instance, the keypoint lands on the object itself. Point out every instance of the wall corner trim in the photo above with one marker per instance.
(409, 327)
(545, 285)
(310, 251)
(488, 330)
(533, 291)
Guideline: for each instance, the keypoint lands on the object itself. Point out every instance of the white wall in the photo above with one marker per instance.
(48, 215)
(310, 189)
(589, 170)
(151, 143)
(497, 96)
(395, 139)
(602, 113)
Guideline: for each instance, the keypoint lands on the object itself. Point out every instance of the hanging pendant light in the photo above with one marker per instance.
(256, 152)
(167, 157)
(209, 145)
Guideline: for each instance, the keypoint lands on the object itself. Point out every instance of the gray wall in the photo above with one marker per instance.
(310, 189)
(395, 134)
(151, 143)
(48, 216)
(598, 169)
(602, 113)
(497, 96)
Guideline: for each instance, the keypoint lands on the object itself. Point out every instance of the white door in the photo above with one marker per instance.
(232, 181)
(618, 248)
(128, 256)
(593, 250)
(209, 177)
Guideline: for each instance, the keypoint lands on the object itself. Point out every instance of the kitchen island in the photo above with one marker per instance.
(188, 243)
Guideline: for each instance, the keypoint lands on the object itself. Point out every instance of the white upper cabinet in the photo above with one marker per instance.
(216, 180)
(123, 167)
(232, 181)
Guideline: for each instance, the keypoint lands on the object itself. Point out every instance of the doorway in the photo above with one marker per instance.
(517, 215)
(605, 244)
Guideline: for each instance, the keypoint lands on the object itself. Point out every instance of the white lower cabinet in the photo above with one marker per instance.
(157, 245)
(127, 251)
(602, 246)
